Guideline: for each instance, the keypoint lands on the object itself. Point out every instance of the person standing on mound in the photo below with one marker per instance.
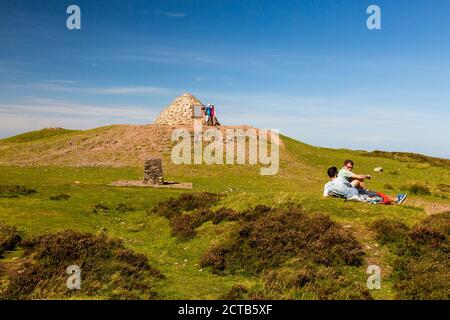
(208, 114)
(215, 122)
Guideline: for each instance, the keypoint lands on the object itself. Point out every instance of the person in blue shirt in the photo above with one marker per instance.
(208, 114)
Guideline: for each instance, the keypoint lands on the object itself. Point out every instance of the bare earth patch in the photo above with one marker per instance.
(112, 146)
(141, 184)
(430, 207)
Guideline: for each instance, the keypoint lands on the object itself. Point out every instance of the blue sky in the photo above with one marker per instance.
(308, 68)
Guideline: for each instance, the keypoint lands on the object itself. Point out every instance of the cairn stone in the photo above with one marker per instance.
(180, 112)
(153, 172)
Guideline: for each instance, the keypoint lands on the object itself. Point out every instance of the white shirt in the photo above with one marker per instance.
(337, 187)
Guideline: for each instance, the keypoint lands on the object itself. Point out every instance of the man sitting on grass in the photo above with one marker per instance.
(339, 187)
(357, 180)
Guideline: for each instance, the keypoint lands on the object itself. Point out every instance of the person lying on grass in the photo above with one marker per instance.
(357, 180)
(341, 188)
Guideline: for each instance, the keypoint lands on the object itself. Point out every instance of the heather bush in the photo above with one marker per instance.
(107, 268)
(9, 238)
(281, 234)
(422, 265)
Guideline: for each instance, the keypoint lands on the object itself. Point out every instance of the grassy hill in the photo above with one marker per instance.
(70, 172)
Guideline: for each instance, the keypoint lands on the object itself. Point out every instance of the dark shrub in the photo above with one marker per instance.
(100, 208)
(60, 197)
(335, 245)
(138, 261)
(422, 266)
(216, 256)
(440, 222)
(70, 247)
(202, 216)
(427, 236)
(423, 277)
(186, 202)
(106, 266)
(388, 230)
(190, 211)
(14, 191)
(183, 226)
(225, 214)
(237, 292)
(123, 208)
(278, 235)
(240, 292)
(9, 238)
(255, 213)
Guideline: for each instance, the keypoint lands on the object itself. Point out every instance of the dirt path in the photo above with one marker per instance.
(430, 207)
(375, 255)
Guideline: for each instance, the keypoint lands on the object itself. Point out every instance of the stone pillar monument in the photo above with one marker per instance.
(153, 173)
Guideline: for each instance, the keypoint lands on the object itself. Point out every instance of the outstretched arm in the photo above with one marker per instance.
(361, 177)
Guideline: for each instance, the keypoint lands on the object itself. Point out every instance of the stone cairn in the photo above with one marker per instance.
(153, 173)
(179, 112)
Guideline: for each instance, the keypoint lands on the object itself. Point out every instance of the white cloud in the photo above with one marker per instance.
(50, 107)
(72, 87)
(38, 113)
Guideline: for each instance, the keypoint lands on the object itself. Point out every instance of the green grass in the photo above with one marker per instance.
(39, 135)
(300, 180)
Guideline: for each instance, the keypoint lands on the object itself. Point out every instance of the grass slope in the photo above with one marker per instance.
(38, 135)
(300, 181)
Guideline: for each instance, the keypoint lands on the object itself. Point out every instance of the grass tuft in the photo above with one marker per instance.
(444, 187)
(416, 189)
(60, 197)
(388, 186)
(14, 191)
(124, 207)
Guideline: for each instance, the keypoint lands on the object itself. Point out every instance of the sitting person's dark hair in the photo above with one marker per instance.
(332, 172)
(346, 162)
